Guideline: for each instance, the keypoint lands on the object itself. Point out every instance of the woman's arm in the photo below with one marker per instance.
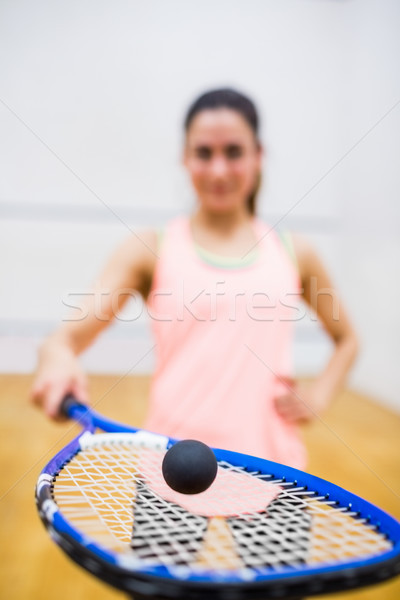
(309, 399)
(129, 269)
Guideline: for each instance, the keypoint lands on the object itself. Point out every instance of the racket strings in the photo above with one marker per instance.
(165, 531)
(113, 492)
(280, 536)
(96, 490)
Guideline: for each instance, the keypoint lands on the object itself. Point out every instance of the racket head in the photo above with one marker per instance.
(252, 533)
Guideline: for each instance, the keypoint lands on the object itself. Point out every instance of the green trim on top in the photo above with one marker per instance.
(287, 240)
(226, 262)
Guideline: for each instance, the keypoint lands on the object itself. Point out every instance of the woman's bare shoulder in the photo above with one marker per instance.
(143, 241)
(302, 244)
(306, 255)
(141, 246)
(132, 263)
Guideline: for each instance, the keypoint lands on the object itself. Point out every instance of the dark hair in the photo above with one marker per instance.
(229, 98)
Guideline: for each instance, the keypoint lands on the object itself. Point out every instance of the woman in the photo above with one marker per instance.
(220, 287)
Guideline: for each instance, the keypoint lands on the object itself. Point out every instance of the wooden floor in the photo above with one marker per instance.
(357, 446)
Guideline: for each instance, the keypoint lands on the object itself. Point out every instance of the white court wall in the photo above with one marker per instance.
(92, 97)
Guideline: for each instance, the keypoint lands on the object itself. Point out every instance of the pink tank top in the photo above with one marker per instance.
(223, 338)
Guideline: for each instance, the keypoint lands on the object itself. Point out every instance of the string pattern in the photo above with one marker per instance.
(164, 531)
(279, 536)
(114, 493)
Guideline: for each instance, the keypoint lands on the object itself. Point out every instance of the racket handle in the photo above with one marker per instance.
(69, 404)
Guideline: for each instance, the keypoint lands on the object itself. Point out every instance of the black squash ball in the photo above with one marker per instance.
(189, 467)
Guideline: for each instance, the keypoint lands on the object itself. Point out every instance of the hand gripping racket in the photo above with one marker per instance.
(262, 530)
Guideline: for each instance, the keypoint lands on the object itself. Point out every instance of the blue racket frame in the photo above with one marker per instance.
(153, 580)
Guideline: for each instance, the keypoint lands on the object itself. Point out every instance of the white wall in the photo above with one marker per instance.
(92, 96)
(369, 179)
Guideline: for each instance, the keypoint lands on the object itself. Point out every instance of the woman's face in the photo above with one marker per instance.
(223, 159)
